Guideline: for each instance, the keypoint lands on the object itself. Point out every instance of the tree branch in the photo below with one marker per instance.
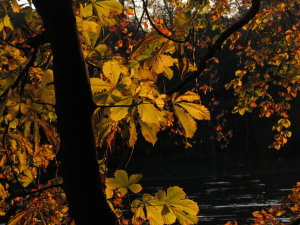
(39, 190)
(158, 31)
(23, 72)
(212, 50)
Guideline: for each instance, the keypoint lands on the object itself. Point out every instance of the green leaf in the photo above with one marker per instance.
(187, 122)
(118, 113)
(112, 71)
(149, 114)
(199, 112)
(99, 85)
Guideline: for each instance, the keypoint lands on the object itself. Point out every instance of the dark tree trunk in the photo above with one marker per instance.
(74, 108)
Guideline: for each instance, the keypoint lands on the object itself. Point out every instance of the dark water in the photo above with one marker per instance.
(228, 187)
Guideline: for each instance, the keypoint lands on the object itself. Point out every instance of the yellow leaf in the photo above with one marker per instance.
(112, 70)
(199, 112)
(187, 122)
(149, 113)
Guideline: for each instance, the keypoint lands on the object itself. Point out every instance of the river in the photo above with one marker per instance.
(227, 187)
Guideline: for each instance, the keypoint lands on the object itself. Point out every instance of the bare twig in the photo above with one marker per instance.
(158, 31)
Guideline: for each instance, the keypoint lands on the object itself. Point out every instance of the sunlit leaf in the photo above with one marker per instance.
(149, 113)
(122, 183)
(187, 122)
(199, 112)
(112, 70)
(149, 131)
(118, 113)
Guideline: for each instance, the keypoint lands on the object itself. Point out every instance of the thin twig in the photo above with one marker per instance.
(212, 50)
(23, 72)
(7, 42)
(158, 31)
(40, 190)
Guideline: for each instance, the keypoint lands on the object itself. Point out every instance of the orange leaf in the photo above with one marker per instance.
(129, 11)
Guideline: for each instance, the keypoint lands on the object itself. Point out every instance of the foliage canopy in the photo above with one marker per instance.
(141, 60)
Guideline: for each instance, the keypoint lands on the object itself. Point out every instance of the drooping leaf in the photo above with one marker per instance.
(148, 113)
(199, 112)
(187, 122)
(149, 131)
(132, 133)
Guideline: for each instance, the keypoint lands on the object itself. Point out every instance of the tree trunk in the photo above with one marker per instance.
(74, 108)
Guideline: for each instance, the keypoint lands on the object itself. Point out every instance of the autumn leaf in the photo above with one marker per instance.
(187, 122)
(112, 71)
(122, 183)
(118, 113)
(149, 113)
(158, 63)
(99, 85)
(199, 112)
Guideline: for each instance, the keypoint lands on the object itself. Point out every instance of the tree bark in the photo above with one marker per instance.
(74, 109)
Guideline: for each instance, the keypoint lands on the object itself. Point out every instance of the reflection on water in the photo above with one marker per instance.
(225, 193)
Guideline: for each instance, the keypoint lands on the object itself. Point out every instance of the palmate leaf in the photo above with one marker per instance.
(112, 71)
(159, 62)
(187, 122)
(106, 10)
(149, 114)
(149, 131)
(99, 85)
(137, 208)
(122, 183)
(176, 206)
(118, 113)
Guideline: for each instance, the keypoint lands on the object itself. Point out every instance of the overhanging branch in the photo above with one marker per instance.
(217, 46)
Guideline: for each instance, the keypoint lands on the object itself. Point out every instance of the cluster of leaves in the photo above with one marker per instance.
(163, 208)
(124, 89)
(270, 77)
(128, 88)
(289, 207)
